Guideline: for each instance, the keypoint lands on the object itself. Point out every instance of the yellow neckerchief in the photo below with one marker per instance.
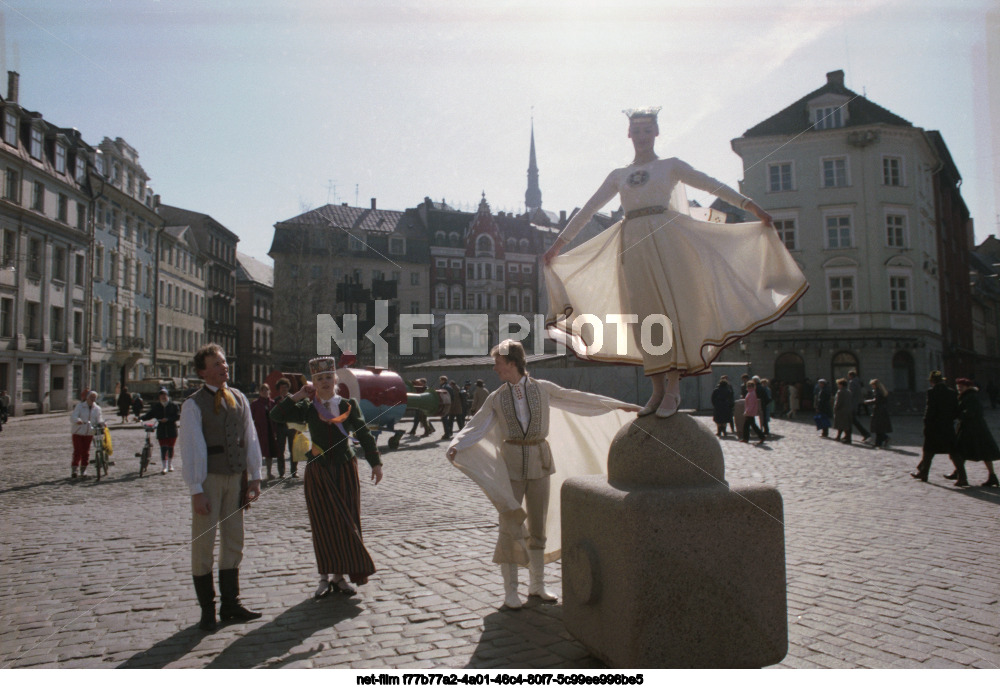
(223, 395)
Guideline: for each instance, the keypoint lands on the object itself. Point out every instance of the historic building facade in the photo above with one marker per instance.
(340, 259)
(217, 245)
(254, 310)
(44, 223)
(855, 192)
(180, 303)
(126, 226)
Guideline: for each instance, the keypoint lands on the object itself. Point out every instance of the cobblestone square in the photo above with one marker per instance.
(882, 571)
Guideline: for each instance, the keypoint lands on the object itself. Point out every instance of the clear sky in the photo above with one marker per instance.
(255, 110)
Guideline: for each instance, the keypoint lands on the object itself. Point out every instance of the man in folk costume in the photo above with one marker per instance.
(332, 483)
(505, 449)
(221, 466)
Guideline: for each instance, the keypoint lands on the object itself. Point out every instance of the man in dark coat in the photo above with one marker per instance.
(823, 405)
(939, 425)
(722, 406)
(858, 401)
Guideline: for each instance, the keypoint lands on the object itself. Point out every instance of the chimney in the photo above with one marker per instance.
(12, 79)
(373, 203)
(562, 217)
(835, 78)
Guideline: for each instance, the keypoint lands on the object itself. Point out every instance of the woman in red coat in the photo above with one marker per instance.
(260, 411)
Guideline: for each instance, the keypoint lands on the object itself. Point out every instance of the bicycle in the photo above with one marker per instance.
(101, 462)
(147, 449)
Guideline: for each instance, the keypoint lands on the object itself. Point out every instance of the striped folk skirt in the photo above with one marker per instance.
(333, 499)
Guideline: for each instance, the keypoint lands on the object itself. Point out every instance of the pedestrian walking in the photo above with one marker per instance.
(124, 404)
(85, 416)
(973, 440)
(167, 413)
(722, 406)
(420, 419)
(221, 467)
(940, 412)
(283, 434)
(137, 406)
(267, 434)
(881, 425)
(793, 399)
(751, 408)
(457, 405)
(332, 482)
(858, 402)
(447, 419)
(766, 397)
(823, 405)
(843, 411)
(479, 396)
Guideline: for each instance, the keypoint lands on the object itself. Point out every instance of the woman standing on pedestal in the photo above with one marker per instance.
(332, 484)
(708, 284)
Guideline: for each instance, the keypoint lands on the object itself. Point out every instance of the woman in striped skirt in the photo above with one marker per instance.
(332, 483)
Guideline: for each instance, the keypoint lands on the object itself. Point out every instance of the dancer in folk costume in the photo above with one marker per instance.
(707, 284)
(332, 483)
(528, 437)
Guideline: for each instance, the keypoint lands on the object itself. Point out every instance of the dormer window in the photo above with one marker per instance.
(60, 158)
(828, 118)
(81, 168)
(10, 127)
(36, 144)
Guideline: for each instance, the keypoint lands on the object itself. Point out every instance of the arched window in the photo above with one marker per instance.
(903, 372)
(524, 245)
(454, 239)
(841, 364)
(526, 301)
(512, 301)
(439, 237)
(456, 297)
(511, 244)
(789, 368)
(484, 246)
(440, 297)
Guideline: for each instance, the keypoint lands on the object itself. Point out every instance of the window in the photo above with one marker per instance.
(35, 148)
(355, 243)
(484, 245)
(456, 263)
(414, 278)
(470, 270)
(10, 127)
(56, 325)
(38, 197)
(79, 267)
(526, 302)
(378, 275)
(9, 239)
(316, 272)
(786, 232)
(63, 208)
(892, 171)
(397, 245)
(828, 118)
(895, 230)
(31, 320)
(835, 172)
(59, 263)
(779, 177)
(441, 263)
(60, 158)
(441, 297)
(899, 294)
(81, 216)
(113, 273)
(34, 257)
(456, 297)
(513, 268)
(526, 269)
(6, 317)
(99, 263)
(12, 186)
(414, 307)
(838, 231)
(841, 293)
(512, 300)
(81, 168)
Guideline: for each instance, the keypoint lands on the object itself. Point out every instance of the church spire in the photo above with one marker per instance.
(533, 196)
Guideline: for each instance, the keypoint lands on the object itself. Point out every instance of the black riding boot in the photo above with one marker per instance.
(229, 593)
(205, 589)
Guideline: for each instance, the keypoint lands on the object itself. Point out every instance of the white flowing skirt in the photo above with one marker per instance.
(668, 291)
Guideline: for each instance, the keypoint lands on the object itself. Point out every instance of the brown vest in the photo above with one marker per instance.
(223, 432)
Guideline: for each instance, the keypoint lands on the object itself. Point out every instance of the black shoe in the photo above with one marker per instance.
(205, 589)
(229, 592)
(343, 587)
(991, 481)
(952, 476)
(918, 475)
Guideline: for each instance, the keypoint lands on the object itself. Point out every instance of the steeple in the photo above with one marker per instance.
(533, 196)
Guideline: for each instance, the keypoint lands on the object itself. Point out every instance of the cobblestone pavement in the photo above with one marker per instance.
(883, 571)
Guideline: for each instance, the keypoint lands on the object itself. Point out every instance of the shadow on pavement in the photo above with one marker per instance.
(532, 637)
(268, 642)
(266, 646)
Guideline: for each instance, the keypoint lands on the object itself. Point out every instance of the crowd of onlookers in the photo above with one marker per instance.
(456, 404)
